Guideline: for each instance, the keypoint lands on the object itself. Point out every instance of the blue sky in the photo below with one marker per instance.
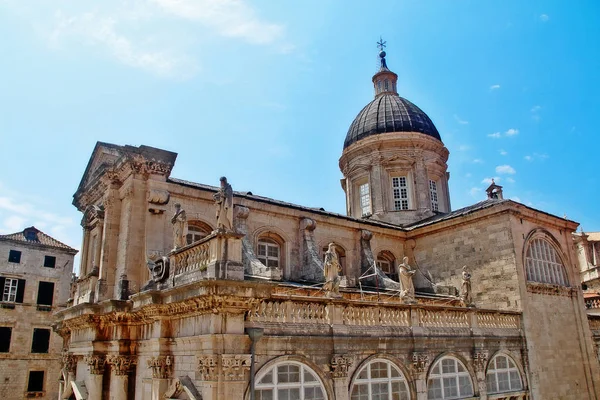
(264, 92)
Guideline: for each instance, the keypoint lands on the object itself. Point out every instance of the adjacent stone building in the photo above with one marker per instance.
(173, 301)
(35, 278)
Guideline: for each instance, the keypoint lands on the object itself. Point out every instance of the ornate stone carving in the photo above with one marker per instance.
(158, 196)
(96, 363)
(121, 364)
(208, 367)
(162, 366)
(420, 362)
(554, 290)
(179, 222)
(312, 265)
(466, 294)
(407, 287)
(235, 366)
(159, 269)
(331, 270)
(480, 360)
(340, 364)
(224, 203)
(368, 268)
(68, 361)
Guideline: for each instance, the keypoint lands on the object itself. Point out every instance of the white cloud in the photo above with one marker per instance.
(495, 135)
(536, 157)
(488, 181)
(460, 121)
(14, 223)
(511, 132)
(29, 211)
(494, 87)
(478, 161)
(505, 169)
(510, 180)
(230, 18)
(544, 17)
(503, 152)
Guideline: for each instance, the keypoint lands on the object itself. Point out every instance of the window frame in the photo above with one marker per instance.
(15, 255)
(543, 262)
(434, 195)
(508, 369)
(444, 376)
(40, 285)
(389, 379)
(47, 260)
(33, 390)
(274, 385)
(364, 199)
(401, 199)
(35, 341)
(8, 285)
(197, 229)
(268, 243)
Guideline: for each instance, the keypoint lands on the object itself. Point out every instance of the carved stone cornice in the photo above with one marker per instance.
(480, 360)
(162, 367)
(235, 366)
(208, 367)
(340, 364)
(121, 364)
(96, 363)
(553, 290)
(420, 362)
(68, 361)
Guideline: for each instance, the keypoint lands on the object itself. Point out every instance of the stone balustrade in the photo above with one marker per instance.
(592, 304)
(192, 258)
(285, 312)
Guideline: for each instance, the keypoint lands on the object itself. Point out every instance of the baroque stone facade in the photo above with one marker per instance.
(245, 307)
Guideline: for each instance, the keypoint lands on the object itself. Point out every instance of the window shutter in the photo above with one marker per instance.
(20, 291)
(2, 283)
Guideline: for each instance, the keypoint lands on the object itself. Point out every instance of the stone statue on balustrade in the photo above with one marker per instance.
(331, 270)
(405, 276)
(466, 294)
(179, 222)
(224, 202)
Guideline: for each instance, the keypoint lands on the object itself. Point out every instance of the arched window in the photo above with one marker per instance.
(543, 263)
(289, 380)
(196, 231)
(269, 252)
(503, 375)
(449, 379)
(341, 256)
(386, 262)
(380, 379)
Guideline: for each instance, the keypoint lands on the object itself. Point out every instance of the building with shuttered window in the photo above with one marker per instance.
(35, 278)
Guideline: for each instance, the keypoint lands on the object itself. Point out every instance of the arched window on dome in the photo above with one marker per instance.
(289, 380)
(503, 375)
(197, 230)
(543, 263)
(386, 262)
(341, 256)
(449, 379)
(386, 84)
(378, 86)
(379, 379)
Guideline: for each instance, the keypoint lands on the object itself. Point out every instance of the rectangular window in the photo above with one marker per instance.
(14, 256)
(36, 381)
(45, 295)
(13, 289)
(49, 261)
(268, 254)
(5, 334)
(434, 195)
(41, 340)
(400, 193)
(365, 199)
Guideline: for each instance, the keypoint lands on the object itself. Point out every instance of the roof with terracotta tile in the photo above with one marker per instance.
(33, 235)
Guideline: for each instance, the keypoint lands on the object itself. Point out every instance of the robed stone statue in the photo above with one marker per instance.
(405, 275)
(179, 222)
(331, 270)
(466, 294)
(224, 202)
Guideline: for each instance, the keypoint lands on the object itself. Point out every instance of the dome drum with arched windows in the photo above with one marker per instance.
(394, 161)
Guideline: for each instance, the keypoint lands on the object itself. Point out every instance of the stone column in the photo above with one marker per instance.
(84, 251)
(120, 366)
(96, 363)
(235, 370)
(110, 238)
(340, 365)
(162, 372)
(420, 365)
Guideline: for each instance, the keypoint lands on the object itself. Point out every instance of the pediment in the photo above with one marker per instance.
(103, 156)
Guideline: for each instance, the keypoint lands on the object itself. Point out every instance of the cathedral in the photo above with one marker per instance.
(194, 291)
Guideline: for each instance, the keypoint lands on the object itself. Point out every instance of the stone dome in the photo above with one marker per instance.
(389, 113)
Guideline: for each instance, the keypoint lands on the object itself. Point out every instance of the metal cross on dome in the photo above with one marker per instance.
(381, 43)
